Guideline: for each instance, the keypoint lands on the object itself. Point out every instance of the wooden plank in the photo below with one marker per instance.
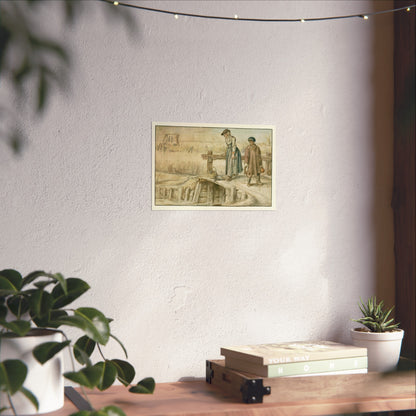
(373, 390)
(198, 398)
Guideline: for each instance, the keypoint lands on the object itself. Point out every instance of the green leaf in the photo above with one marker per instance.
(7, 287)
(20, 73)
(110, 411)
(89, 320)
(43, 90)
(31, 277)
(18, 327)
(54, 277)
(105, 411)
(88, 376)
(83, 349)
(98, 328)
(12, 375)
(75, 288)
(3, 312)
(83, 413)
(18, 305)
(45, 351)
(125, 371)
(55, 316)
(13, 276)
(40, 304)
(108, 374)
(145, 386)
(30, 396)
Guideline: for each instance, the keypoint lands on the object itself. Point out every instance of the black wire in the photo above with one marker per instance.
(245, 19)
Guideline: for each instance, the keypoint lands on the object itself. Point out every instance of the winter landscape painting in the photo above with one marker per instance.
(207, 166)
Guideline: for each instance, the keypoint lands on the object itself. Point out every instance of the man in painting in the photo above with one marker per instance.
(253, 162)
(233, 163)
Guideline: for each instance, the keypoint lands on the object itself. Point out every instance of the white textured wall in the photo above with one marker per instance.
(181, 284)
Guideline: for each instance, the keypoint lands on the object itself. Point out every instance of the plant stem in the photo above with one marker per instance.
(73, 369)
(9, 398)
(101, 353)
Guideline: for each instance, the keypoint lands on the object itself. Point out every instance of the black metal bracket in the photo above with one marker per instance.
(209, 372)
(253, 391)
(77, 399)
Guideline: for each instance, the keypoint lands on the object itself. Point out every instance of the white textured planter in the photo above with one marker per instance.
(383, 348)
(44, 381)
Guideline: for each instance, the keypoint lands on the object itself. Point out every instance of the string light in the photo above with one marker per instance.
(248, 19)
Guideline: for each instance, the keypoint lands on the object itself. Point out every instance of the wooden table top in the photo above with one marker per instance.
(198, 398)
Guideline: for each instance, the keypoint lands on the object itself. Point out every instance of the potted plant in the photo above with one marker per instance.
(34, 310)
(380, 335)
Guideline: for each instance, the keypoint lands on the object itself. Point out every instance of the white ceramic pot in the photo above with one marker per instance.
(383, 348)
(44, 381)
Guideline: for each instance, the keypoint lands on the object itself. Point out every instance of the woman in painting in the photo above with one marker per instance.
(233, 163)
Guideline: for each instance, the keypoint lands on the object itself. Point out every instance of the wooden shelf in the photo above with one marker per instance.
(298, 396)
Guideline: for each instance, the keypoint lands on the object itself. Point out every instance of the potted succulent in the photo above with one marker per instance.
(380, 335)
(34, 310)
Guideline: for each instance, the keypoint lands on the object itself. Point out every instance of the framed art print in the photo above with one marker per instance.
(213, 166)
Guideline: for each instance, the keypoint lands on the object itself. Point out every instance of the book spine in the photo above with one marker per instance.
(333, 373)
(321, 366)
(309, 367)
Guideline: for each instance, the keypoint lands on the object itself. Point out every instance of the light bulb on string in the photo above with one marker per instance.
(249, 19)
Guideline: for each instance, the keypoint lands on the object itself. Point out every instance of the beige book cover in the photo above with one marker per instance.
(289, 352)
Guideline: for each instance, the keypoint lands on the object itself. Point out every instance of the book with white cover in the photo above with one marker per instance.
(292, 352)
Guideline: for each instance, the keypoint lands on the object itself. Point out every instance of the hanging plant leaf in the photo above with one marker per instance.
(125, 371)
(18, 305)
(54, 316)
(43, 89)
(108, 374)
(88, 376)
(98, 328)
(12, 375)
(30, 396)
(110, 411)
(83, 349)
(145, 386)
(7, 287)
(44, 352)
(105, 411)
(31, 277)
(75, 288)
(40, 304)
(13, 276)
(18, 327)
(91, 321)
(3, 312)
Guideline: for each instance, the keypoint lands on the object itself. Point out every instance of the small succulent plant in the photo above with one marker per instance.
(375, 317)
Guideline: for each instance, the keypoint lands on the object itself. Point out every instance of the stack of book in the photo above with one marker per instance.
(296, 359)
